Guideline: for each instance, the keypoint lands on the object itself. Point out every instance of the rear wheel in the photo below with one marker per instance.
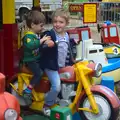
(105, 109)
(21, 100)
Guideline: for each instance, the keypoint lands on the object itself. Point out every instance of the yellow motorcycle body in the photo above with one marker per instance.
(81, 74)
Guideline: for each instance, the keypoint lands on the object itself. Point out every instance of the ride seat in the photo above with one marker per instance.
(43, 86)
(25, 69)
(67, 75)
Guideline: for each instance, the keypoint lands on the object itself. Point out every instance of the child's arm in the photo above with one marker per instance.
(73, 41)
(32, 44)
(44, 39)
(48, 43)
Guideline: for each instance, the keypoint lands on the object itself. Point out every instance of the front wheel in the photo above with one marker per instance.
(105, 109)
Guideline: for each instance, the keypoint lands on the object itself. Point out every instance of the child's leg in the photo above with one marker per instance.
(37, 74)
(50, 99)
(37, 71)
(54, 78)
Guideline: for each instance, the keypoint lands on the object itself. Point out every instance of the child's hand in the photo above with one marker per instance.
(76, 41)
(50, 43)
(45, 38)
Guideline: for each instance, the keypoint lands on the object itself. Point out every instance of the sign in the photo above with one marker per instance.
(76, 7)
(50, 5)
(90, 12)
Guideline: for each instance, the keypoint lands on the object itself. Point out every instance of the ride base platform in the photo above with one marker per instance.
(40, 117)
(57, 113)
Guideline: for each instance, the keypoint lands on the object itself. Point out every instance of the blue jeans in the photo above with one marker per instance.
(34, 66)
(54, 78)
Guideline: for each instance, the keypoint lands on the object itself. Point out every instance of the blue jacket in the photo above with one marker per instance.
(49, 56)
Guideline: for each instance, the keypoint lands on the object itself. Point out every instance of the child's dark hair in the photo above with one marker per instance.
(35, 17)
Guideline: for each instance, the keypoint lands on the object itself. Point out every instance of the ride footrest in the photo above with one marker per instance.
(61, 113)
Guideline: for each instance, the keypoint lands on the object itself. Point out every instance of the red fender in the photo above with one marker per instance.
(108, 93)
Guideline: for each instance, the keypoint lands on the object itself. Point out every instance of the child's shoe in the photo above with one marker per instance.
(27, 94)
(46, 110)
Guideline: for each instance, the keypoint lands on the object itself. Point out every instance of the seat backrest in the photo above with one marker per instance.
(25, 69)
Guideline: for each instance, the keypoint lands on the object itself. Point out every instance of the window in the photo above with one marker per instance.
(92, 51)
(85, 35)
(100, 50)
(105, 32)
(113, 32)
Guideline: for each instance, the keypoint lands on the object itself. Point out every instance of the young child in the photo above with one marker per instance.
(34, 21)
(60, 21)
(54, 58)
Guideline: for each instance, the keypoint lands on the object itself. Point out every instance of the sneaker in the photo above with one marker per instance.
(27, 97)
(46, 111)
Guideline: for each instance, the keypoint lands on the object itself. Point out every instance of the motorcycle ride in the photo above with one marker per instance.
(78, 92)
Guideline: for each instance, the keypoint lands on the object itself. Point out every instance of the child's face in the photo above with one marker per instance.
(37, 28)
(59, 24)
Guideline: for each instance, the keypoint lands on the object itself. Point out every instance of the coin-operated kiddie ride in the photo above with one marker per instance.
(109, 33)
(86, 49)
(110, 40)
(78, 92)
(108, 54)
(9, 106)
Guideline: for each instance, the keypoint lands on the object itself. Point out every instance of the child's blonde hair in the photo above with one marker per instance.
(62, 13)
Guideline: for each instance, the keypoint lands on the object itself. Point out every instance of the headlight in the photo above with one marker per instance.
(98, 70)
(10, 114)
